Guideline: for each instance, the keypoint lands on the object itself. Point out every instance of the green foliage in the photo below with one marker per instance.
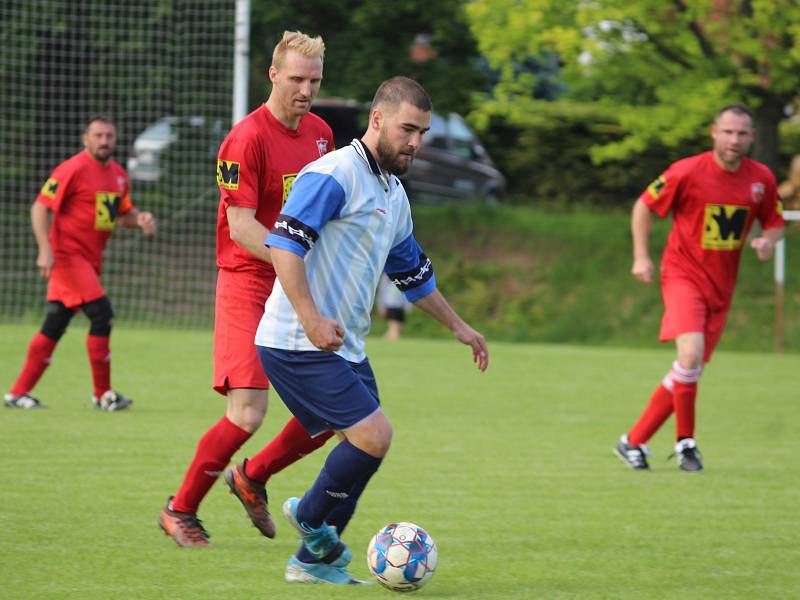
(367, 42)
(510, 471)
(548, 152)
(790, 145)
(530, 274)
(666, 67)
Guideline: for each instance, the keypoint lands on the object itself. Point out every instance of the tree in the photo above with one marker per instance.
(664, 66)
(368, 41)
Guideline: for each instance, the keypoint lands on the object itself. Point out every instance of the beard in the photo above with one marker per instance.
(392, 160)
(101, 154)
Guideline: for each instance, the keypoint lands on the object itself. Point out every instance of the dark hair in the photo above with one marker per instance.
(102, 117)
(400, 89)
(737, 109)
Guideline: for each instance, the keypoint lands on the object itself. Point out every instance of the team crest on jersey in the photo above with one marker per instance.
(757, 192)
(50, 188)
(288, 182)
(656, 187)
(228, 174)
(106, 207)
(121, 182)
(724, 226)
(322, 146)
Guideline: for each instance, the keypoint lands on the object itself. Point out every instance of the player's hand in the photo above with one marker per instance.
(480, 352)
(146, 222)
(44, 262)
(326, 334)
(763, 247)
(643, 269)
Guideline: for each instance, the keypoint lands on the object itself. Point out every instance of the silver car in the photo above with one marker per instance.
(193, 139)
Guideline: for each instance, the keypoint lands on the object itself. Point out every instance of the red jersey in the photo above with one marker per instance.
(257, 164)
(85, 196)
(712, 212)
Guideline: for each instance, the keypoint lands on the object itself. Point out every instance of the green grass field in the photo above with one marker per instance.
(510, 471)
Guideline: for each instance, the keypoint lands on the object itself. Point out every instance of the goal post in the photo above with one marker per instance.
(780, 280)
(164, 71)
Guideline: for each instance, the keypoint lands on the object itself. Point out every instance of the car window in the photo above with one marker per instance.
(160, 130)
(463, 139)
(437, 135)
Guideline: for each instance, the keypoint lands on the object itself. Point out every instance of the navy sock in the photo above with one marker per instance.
(345, 466)
(341, 514)
(339, 517)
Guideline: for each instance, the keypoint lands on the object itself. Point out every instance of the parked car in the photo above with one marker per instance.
(192, 142)
(450, 164)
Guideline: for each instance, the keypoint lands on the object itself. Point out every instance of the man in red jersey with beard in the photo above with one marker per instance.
(257, 164)
(714, 198)
(88, 196)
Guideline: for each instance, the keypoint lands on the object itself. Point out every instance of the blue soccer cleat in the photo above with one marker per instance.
(300, 572)
(323, 543)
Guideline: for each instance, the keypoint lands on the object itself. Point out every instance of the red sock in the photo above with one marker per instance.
(657, 411)
(214, 451)
(40, 352)
(290, 445)
(685, 396)
(99, 349)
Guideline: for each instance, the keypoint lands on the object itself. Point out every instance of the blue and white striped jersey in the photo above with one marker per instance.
(350, 223)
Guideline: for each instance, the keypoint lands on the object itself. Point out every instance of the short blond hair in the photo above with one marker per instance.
(299, 42)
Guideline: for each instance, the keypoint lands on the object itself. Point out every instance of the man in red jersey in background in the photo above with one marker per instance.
(88, 196)
(257, 163)
(714, 197)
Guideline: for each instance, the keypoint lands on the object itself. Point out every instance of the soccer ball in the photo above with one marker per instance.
(402, 557)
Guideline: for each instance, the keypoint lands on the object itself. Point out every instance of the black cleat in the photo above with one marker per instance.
(635, 456)
(185, 528)
(689, 458)
(111, 401)
(22, 401)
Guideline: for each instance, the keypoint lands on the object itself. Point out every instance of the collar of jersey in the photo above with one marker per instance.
(362, 150)
(364, 153)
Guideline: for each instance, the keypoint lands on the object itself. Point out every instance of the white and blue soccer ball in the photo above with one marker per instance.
(402, 557)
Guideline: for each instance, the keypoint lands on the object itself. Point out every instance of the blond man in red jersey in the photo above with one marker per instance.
(714, 198)
(75, 213)
(256, 166)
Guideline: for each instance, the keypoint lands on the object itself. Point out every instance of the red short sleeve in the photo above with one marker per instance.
(663, 191)
(55, 188)
(238, 168)
(770, 215)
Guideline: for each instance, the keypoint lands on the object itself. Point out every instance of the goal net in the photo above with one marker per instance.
(163, 69)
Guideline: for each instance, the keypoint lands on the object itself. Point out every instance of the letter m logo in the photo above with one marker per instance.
(228, 174)
(724, 226)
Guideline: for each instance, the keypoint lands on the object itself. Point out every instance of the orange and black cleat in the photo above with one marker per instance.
(185, 528)
(253, 496)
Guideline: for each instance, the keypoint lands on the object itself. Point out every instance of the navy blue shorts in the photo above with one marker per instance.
(321, 389)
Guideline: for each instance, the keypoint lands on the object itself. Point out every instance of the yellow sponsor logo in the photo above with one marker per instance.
(656, 187)
(228, 174)
(724, 226)
(50, 188)
(106, 206)
(288, 181)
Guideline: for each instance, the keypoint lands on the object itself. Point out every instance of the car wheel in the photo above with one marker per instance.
(491, 198)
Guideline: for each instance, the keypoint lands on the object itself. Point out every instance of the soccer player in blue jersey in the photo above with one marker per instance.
(347, 220)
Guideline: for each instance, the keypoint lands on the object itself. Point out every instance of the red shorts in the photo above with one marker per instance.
(237, 312)
(686, 311)
(73, 282)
